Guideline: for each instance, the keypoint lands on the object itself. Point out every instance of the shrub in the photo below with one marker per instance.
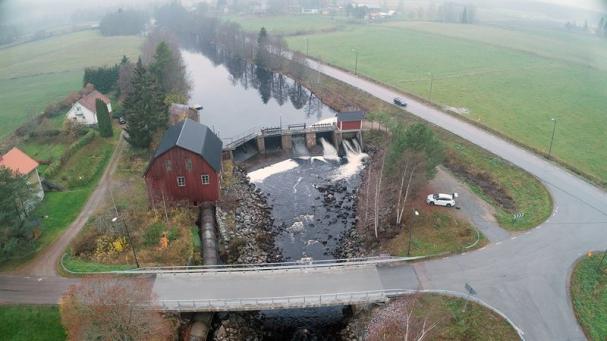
(55, 166)
(153, 233)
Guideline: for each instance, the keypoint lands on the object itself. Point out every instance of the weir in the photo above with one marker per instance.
(299, 138)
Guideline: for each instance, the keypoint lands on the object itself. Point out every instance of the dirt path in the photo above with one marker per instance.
(471, 207)
(45, 264)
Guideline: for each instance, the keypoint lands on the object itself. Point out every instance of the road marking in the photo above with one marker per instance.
(513, 238)
(498, 243)
(539, 227)
(527, 232)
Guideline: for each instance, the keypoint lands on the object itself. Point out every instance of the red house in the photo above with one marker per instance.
(186, 165)
(350, 120)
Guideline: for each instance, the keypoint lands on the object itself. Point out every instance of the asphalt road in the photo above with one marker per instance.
(526, 276)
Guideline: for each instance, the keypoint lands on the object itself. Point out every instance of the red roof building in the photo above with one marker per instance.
(20, 163)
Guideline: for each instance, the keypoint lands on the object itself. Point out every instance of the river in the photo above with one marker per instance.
(312, 196)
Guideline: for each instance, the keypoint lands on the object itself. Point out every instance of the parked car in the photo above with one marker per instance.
(121, 120)
(441, 199)
(400, 102)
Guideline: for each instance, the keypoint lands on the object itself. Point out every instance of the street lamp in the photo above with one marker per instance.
(355, 62)
(552, 138)
(411, 233)
(128, 235)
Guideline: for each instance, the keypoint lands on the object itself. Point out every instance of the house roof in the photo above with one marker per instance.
(195, 137)
(89, 100)
(351, 116)
(18, 162)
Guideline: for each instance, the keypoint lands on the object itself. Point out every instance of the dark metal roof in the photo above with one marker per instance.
(195, 137)
(350, 116)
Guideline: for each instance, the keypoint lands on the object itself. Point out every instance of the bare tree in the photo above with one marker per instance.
(110, 308)
(377, 190)
(401, 321)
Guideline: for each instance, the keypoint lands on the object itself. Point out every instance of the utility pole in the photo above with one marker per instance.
(128, 235)
(431, 81)
(355, 61)
(411, 233)
(552, 138)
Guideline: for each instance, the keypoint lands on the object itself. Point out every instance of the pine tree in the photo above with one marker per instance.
(104, 123)
(262, 57)
(161, 66)
(144, 109)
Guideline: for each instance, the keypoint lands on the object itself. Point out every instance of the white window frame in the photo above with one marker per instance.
(202, 178)
(181, 181)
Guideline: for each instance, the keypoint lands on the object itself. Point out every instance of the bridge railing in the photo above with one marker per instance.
(299, 264)
(300, 301)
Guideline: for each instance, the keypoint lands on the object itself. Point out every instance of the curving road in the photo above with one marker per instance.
(526, 276)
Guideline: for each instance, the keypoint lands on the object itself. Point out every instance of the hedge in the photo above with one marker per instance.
(55, 166)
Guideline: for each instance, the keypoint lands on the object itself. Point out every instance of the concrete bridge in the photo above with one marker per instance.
(263, 140)
(299, 284)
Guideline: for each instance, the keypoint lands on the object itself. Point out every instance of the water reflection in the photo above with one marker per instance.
(238, 95)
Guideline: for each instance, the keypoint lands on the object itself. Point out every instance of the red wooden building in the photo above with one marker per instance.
(350, 120)
(186, 165)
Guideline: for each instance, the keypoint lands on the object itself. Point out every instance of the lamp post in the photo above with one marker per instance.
(355, 61)
(411, 233)
(552, 138)
(128, 235)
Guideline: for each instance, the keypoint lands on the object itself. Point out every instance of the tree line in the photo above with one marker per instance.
(123, 22)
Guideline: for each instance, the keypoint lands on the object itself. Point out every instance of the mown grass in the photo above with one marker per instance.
(35, 74)
(75, 264)
(589, 295)
(289, 25)
(506, 88)
(435, 233)
(31, 323)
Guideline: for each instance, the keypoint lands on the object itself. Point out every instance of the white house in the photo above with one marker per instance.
(84, 111)
(20, 163)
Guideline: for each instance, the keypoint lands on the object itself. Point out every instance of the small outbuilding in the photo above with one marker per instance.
(186, 165)
(350, 120)
(85, 110)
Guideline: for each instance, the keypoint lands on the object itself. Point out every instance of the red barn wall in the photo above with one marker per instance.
(350, 125)
(159, 180)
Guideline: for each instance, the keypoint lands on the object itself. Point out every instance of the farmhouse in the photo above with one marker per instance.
(350, 120)
(186, 165)
(84, 111)
(20, 163)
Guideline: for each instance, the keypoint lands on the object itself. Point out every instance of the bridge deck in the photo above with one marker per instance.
(283, 288)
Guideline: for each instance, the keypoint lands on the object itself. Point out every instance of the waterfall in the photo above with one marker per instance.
(354, 164)
(299, 146)
(329, 152)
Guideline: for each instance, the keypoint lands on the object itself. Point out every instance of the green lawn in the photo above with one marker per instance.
(78, 265)
(506, 88)
(289, 25)
(31, 323)
(589, 295)
(35, 74)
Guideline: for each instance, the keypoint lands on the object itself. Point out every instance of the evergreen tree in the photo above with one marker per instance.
(144, 109)
(169, 70)
(262, 58)
(104, 123)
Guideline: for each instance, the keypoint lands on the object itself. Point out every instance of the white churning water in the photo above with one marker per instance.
(261, 174)
(355, 158)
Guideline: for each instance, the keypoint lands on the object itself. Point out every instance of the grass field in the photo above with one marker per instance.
(512, 80)
(289, 25)
(504, 80)
(589, 295)
(35, 74)
(31, 323)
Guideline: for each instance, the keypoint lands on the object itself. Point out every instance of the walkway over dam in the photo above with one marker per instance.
(263, 140)
(281, 285)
